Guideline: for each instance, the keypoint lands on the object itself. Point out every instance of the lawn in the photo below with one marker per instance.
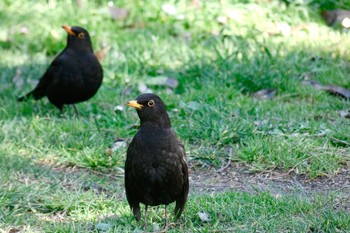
(276, 162)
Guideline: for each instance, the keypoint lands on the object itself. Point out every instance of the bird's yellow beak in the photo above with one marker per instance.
(68, 30)
(134, 104)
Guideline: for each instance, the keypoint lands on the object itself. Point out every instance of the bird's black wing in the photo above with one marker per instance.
(181, 201)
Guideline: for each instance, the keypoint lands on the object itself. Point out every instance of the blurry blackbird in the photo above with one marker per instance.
(156, 170)
(75, 74)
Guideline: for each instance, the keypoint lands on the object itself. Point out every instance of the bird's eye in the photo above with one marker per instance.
(150, 103)
(81, 35)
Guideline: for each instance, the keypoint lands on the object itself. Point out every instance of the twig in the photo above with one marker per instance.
(223, 167)
(341, 141)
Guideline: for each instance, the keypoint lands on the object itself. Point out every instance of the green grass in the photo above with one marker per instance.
(55, 173)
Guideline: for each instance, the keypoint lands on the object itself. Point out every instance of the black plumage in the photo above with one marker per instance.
(75, 74)
(156, 170)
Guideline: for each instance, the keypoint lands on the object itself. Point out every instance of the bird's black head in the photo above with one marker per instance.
(78, 38)
(151, 109)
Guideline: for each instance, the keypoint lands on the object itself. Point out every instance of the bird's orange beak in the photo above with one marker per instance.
(134, 104)
(68, 30)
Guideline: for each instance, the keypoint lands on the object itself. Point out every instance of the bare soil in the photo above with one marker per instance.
(232, 177)
(236, 177)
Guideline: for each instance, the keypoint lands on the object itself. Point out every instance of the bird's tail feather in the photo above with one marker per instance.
(25, 97)
(179, 207)
(36, 94)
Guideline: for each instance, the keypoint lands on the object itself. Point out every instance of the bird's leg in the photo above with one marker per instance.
(166, 215)
(75, 110)
(145, 220)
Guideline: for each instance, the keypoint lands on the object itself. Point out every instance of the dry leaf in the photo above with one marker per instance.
(101, 54)
(265, 94)
(109, 151)
(143, 88)
(118, 13)
(333, 90)
(163, 81)
(119, 108)
(204, 216)
(344, 114)
(338, 91)
(117, 144)
(337, 16)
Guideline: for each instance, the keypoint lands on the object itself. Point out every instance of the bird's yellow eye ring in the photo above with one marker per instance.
(81, 35)
(150, 103)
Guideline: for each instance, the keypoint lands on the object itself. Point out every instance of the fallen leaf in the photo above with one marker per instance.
(143, 88)
(101, 54)
(163, 81)
(337, 91)
(204, 217)
(265, 94)
(119, 108)
(109, 151)
(118, 13)
(117, 144)
(336, 16)
(344, 114)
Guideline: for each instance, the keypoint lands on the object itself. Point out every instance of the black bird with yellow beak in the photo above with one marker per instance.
(75, 74)
(156, 170)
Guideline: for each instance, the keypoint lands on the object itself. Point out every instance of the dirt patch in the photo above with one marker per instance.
(237, 177)
(234, 176)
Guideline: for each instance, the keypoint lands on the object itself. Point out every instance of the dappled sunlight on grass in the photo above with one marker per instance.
(58, 171)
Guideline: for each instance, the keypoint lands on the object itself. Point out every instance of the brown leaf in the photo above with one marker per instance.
(163, 81)
(265, 94)
(101, 54)
(337, 91)
(118, 13)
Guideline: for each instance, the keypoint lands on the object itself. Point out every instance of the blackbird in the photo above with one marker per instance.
(75, 74)
(156, 170)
